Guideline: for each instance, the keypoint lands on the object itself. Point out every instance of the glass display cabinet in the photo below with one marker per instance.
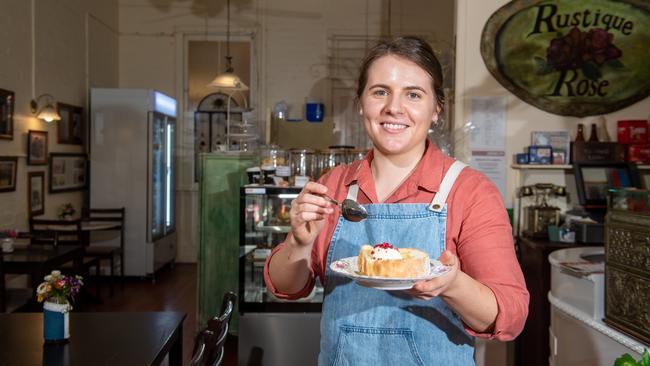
(263, 318)
(264, 224)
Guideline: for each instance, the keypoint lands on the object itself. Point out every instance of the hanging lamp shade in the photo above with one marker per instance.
(228, 81)
(48, 111)
(48, 114)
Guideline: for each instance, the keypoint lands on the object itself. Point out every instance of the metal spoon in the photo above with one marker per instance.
(350, 209)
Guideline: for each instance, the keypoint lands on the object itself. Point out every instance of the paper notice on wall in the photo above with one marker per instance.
(488, 139)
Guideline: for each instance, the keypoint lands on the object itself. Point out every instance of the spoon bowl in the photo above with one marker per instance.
(351, 210)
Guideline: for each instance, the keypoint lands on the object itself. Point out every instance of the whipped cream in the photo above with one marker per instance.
(385, 251)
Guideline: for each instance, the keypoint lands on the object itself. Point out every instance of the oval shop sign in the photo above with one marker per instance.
(571, 57)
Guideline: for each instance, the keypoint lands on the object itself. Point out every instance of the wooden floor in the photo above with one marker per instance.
(173, 290)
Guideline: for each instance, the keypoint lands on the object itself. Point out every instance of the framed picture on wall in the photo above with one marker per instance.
(37, 148)
(6, 114)
(36, 193)
(71, 127)
(68, 172)
(8, 170)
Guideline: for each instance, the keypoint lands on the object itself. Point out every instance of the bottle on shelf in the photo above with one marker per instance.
(603, 135)
(593, 135)
(580, 136)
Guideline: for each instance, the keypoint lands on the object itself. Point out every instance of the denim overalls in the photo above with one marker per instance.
(365, 326)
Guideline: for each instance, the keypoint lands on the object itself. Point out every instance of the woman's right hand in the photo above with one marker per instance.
(307, 213)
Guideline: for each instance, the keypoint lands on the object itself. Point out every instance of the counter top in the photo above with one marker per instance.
(598, 325)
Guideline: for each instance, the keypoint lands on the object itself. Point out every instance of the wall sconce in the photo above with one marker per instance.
(47, 110)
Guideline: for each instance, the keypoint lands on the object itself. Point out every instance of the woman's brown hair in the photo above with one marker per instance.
(411, 48)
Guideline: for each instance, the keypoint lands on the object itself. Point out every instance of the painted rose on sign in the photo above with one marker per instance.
(571, 57)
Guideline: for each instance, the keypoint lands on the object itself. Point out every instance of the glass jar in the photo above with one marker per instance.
(330, 158)
(303, 164)
(272, 155)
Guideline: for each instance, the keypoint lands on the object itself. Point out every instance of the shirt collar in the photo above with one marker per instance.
(427, 174)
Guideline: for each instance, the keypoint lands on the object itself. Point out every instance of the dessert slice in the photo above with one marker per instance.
(385, 260)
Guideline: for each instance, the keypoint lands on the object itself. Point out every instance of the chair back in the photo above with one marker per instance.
(209, 345)
(55, 231)
(104, 214)
(112, 215)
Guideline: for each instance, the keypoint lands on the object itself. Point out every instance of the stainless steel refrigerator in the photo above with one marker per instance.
(132, 139)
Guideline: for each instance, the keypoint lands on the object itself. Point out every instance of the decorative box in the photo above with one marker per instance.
(540, 154)
(639, 153)
(521, 158)
(632, 131)
(627, 262)
(584, 151)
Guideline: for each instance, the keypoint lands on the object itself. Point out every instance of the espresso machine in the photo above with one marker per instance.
(540, 215)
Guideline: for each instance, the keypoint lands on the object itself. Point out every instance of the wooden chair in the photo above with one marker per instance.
(107, 252)
(64, 232)
(209, 343)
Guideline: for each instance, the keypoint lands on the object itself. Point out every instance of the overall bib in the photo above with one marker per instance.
(365, 326)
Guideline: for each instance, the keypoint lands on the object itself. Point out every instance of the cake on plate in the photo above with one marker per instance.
(385, 260)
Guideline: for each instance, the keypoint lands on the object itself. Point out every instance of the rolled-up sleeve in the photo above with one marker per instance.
(281, 295)
(487, 254)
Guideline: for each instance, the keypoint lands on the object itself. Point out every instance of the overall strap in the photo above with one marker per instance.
(438, 202)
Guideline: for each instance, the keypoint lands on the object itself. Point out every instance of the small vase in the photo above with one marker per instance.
(56, 322)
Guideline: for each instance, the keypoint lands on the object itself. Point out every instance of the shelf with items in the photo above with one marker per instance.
(559, 166)
(215, 132)
(541, 166)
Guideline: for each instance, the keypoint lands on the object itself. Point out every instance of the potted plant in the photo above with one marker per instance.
(628, 360)
(56, 293)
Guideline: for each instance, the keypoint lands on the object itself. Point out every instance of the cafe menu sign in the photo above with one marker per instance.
(571, 57)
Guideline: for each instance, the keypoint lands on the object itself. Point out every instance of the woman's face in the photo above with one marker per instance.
(398, 105)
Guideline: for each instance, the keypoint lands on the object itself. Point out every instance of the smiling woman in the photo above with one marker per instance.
(416, 197)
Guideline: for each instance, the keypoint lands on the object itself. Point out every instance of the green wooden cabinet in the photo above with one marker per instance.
(218, 255)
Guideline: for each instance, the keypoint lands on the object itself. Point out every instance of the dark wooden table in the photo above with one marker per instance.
(95, 339)
(39, 260)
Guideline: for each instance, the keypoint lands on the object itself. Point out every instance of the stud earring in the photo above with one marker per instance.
(361, 112)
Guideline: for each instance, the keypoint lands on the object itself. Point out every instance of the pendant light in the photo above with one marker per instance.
(228, 81)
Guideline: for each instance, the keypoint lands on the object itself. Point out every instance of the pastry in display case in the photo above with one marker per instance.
(265, 222)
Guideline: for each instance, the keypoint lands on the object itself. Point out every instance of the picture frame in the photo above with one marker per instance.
(560, 141)
(37, 147)
(71, 126)
(36, 193)
(6, 114)
(8, 173)
(68, 172)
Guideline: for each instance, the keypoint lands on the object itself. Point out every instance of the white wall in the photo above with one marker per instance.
(58, 47)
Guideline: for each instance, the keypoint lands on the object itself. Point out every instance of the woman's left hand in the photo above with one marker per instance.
(426, 290)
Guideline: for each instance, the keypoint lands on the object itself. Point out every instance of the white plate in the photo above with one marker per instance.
(349, 267)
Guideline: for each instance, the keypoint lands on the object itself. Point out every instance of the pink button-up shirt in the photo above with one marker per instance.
(478, 231)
